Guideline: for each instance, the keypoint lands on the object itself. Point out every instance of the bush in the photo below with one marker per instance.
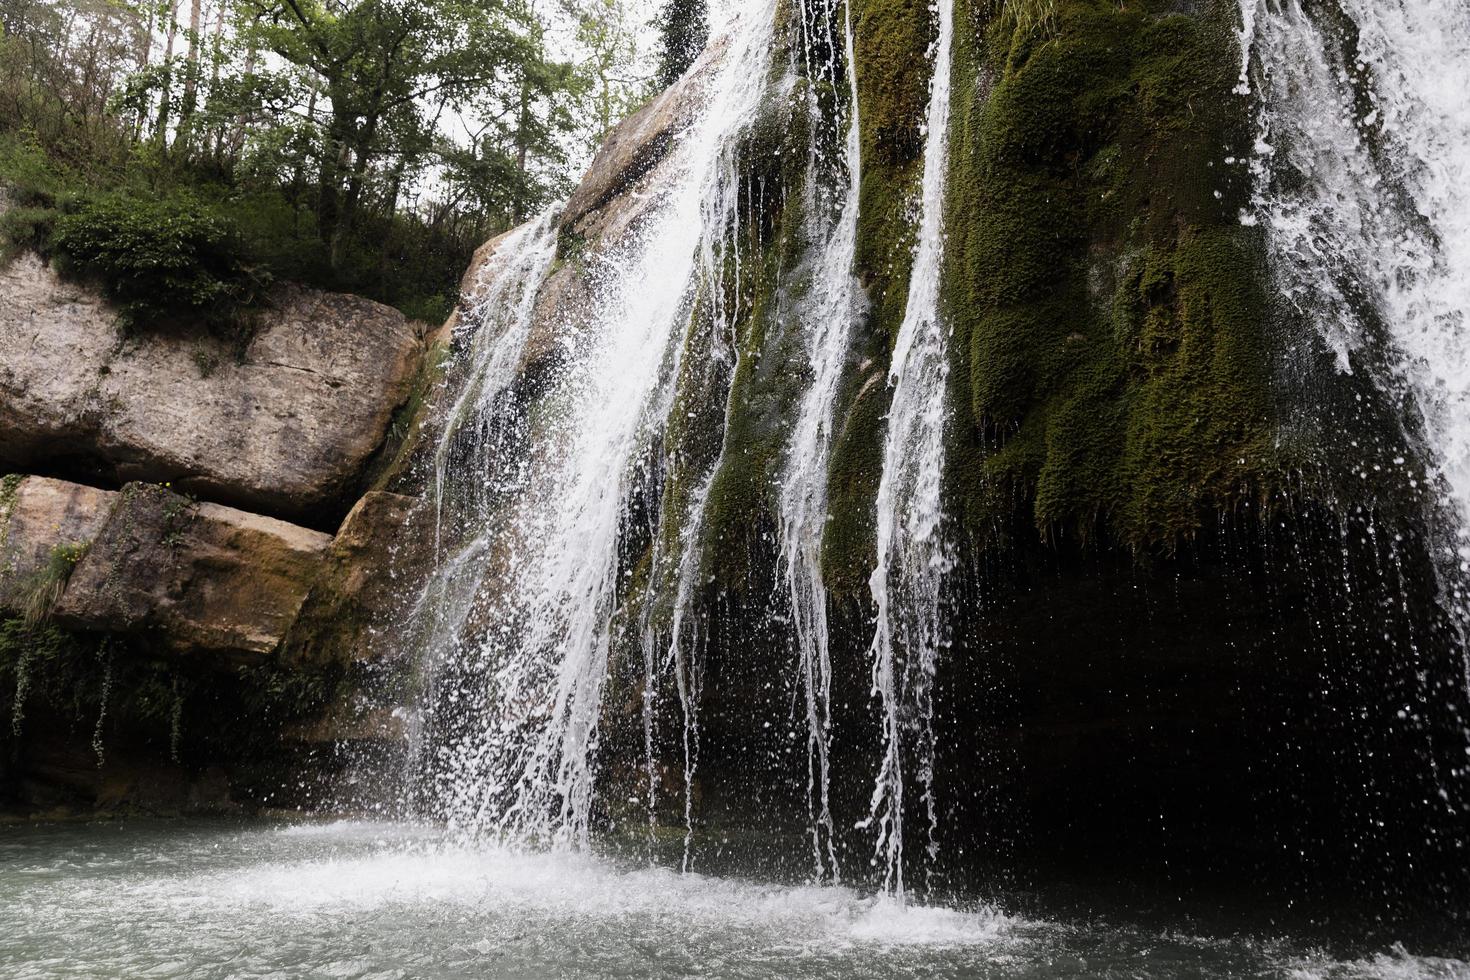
(186, 247)
(30, 177)
(24, 228)
(161, 261)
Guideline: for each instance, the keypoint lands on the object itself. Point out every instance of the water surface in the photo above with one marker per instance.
(370, 900)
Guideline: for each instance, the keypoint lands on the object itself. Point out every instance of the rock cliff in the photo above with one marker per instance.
(1163, 529)
(150, 576)
(284, 425)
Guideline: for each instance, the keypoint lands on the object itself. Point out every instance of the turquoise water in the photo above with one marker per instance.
(369, 900)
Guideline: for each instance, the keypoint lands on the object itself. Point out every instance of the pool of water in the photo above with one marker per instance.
(370, 900)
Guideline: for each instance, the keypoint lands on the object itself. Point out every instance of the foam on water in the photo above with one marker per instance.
(360, 899)
(1396, 964)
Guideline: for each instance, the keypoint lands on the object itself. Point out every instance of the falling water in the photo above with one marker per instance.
(676, 563)
(827, 328)
(912, 556)
(528, 701)
(1362, 169)
(482, 424)
(503, 304)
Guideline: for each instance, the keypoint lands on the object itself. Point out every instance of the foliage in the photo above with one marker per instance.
(185, 710)
(683, 27)
(161, 259)
(355, 145)
(49, 581)
(616, 82)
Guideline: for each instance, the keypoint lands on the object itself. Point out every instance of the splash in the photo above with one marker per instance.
(1362, 167)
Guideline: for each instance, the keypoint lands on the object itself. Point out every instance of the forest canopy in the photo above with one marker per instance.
(366, 146)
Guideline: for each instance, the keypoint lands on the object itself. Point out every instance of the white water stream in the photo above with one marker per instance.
(913, 558)
(1363, 185)
(827, 321)
(523, 767)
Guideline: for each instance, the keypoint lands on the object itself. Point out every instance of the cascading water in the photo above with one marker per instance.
(525, 689)
(827, 327)
(502, 312)
(912, 555)
(1362, 169)
(677, 561)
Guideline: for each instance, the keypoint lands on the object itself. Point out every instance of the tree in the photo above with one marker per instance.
(383, 65)
(607, 34)
(359, 145)
(683, 29)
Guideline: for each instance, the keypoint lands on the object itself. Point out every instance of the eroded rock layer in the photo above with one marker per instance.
(284, 425)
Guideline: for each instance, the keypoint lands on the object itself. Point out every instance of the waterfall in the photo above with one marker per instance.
(677, 563)
(481, 424)
(1362, 167)
(524, 686)
(827, 322)
(912, 554)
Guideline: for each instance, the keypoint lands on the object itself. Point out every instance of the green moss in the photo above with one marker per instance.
(1110, 356)
(181, 710)
(893, 76)
(405, 430)
(890, 37)
(748, 431)
(849, 543)
(9, 487)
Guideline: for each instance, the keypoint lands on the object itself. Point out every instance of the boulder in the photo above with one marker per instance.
(200, 577)
(361, 593)
(285, 426)
(44, 522)
(619, 190)
(637, 144)
(147, 561)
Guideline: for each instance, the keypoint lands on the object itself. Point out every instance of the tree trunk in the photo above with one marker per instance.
(145, 52)
(238, 140)
(361, 156)
(160, 128)
(523, 122)
(335, 156)
(191, 82)
(214, 58)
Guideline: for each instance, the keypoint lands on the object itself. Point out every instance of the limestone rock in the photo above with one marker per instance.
(621, 188)
(38, 516)
(195, 576)
(205, 577)
(285, 427)
(360, 593)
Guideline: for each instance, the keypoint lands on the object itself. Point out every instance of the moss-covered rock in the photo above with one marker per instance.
(1112, 361)
(93, 723)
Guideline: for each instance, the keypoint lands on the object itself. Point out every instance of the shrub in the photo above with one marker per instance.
(162, 261)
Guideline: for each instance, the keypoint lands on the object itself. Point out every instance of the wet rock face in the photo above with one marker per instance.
(159, 614)
(195, 578)
(620, 189)
(360, 598)
(284, 427)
